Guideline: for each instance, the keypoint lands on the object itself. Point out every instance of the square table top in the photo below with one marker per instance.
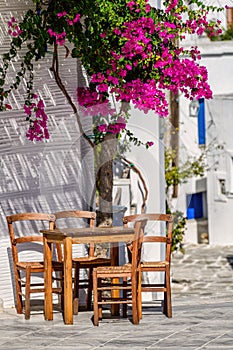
(90, 234)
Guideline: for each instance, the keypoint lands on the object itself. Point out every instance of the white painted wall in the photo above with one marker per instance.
(150, 162)
(220, 160)
(218, 58)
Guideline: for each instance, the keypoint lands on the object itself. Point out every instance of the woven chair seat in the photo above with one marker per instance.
(91, 260)
(32, 264)
(114, 269)
(39, 265)
(154, 264)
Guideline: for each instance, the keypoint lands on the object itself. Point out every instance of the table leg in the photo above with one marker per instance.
(48, 296)
(68, 297)
(134, 281)
(115, 309)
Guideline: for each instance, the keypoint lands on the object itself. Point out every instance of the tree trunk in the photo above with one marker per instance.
(105, 180)
(174, 141)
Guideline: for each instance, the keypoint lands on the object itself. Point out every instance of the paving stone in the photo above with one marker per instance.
(202, 295)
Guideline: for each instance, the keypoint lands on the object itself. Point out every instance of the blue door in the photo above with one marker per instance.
(194, 204)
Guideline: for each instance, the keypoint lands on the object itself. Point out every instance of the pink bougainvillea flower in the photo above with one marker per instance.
(61, 14)
(76, 18)
(60, 37)
(102, 128)
(7, 106)
(14, 29)
(171, 5)
(38, 129)
(27, 110)
(93, 102)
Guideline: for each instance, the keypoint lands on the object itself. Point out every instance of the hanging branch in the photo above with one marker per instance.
(55, 70)
(138, 172)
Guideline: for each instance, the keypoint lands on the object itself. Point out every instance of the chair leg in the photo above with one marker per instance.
(167, 307)
(134, 298)
(125, 298)
(90, 288)
(27, 293)
(100, 307)
(139, 295)
(61, 273)
(76, 289)
(18, 288)
(95, 297)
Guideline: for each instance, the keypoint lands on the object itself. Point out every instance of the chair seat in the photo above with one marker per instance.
(91, 260)
(32, 264)
(56, 265)
(126, 268)
(154, 264)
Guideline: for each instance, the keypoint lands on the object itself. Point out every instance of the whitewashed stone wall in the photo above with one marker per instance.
(42, 176)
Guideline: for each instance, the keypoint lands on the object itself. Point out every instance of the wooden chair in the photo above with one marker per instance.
(156, 266)
(87, 262)
(23, 240)
(104, 283)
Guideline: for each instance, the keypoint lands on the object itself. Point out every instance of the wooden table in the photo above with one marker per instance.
(67, 237)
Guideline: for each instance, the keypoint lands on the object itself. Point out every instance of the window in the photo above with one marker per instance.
(222, 186)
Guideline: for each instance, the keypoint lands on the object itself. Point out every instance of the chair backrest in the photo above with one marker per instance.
(167, 218)
(22, 233)
(139, 226)
(77, 214)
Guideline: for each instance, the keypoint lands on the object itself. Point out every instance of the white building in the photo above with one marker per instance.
(208, 201)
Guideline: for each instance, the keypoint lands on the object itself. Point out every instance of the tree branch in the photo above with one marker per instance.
(137, 171)
(55, 70)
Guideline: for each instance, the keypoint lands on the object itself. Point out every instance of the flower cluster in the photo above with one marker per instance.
(60, 37)
(171, 6)
(134, 6)
(38, 123)
(128, 48)
(14, 29)
(68, 19)
(93, 102)
(146, 46)
(145, 96)
(113, 128)
(188, 77)
(200, 25)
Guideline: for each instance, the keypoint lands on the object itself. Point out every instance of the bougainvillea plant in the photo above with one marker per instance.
(131, 52)
(129, 49)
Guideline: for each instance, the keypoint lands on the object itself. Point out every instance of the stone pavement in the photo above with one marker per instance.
(202, 292)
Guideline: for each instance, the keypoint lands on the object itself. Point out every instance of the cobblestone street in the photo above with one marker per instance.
(203, 273)
(202, 292)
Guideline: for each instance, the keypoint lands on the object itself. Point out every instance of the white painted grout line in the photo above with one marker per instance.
(181, 330)
(210, 341)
